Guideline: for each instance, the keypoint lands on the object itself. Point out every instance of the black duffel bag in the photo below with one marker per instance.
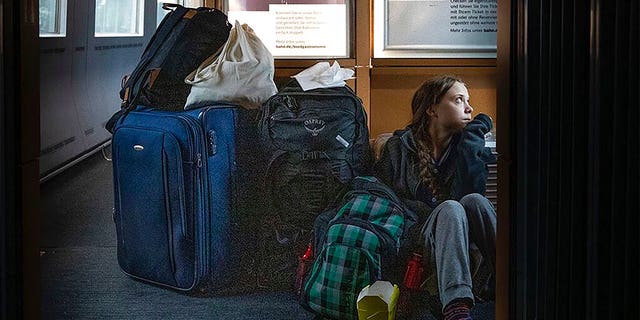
(185, 38)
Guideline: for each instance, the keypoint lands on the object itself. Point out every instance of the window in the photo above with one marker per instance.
(53, 18)
(119, 18)
(297, 29)
(161, 13)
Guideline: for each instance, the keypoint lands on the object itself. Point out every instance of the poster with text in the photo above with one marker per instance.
(297, 29)
(443, 28)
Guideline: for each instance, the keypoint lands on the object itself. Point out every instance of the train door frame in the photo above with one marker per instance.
(20, 129)
(503, 146)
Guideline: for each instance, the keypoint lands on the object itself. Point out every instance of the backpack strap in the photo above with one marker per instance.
(133, 83)
(140, 76)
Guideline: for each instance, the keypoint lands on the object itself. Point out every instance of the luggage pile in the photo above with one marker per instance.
(200, 208)
(184, 186)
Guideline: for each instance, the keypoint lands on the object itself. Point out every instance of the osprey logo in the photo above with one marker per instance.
(314, 126)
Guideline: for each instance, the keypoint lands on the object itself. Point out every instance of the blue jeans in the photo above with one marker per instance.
(447, 234)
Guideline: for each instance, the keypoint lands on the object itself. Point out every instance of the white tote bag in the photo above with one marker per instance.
(242, 73)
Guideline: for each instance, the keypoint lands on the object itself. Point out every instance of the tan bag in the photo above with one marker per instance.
(241, 74)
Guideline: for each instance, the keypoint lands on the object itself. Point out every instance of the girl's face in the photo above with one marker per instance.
(453, 112)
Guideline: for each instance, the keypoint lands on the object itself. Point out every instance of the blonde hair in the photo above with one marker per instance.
(428, 94)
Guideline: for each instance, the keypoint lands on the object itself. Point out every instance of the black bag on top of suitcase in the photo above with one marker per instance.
(317, 142)
(185, 38)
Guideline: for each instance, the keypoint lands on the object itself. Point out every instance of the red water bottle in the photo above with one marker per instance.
(413, 277)
(414, 272)
(304, 263)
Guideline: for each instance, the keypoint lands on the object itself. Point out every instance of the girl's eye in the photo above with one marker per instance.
(458, 100)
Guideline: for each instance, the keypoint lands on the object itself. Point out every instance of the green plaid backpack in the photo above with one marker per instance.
(358, 246)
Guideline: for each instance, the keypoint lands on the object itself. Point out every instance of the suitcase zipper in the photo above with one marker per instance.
(211, 141)
(203, 246)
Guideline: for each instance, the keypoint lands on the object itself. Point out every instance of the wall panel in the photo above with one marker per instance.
(80, 81)
(574, 211)
(392, 89)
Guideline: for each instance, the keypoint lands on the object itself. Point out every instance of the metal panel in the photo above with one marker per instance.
(575, 210)
(60, 135)
(80, 80)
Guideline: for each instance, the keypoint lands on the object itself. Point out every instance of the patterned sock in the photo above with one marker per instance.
(457, 309)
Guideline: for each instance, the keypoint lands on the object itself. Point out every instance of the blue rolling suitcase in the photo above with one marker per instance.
(183, 195)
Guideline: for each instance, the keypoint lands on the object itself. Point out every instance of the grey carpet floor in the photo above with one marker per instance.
(81, 279)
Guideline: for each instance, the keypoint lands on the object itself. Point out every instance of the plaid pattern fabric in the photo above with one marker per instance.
(351, 255)
(337, 281)
(376, 210)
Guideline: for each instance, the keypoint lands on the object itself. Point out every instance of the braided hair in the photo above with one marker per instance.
(428, 94)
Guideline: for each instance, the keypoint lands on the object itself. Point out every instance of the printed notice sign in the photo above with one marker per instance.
(299, 30)
(464, 28)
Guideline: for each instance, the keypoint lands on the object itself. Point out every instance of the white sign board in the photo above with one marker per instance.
(435, 28)
(300, 30)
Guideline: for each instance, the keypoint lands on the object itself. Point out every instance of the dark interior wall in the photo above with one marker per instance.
(7, 272)
(80, 79)
(19, 133)
(574, 213)
(615, 157)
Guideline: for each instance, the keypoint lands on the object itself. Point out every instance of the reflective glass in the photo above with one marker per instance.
(118, 17)
(52, 18)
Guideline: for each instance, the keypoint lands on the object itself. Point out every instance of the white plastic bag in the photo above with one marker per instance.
(241, 74)
(321, 75)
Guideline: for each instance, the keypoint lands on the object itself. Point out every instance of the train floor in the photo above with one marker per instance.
(80, 277)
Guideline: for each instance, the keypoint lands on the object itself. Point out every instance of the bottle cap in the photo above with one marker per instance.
(308, 253)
